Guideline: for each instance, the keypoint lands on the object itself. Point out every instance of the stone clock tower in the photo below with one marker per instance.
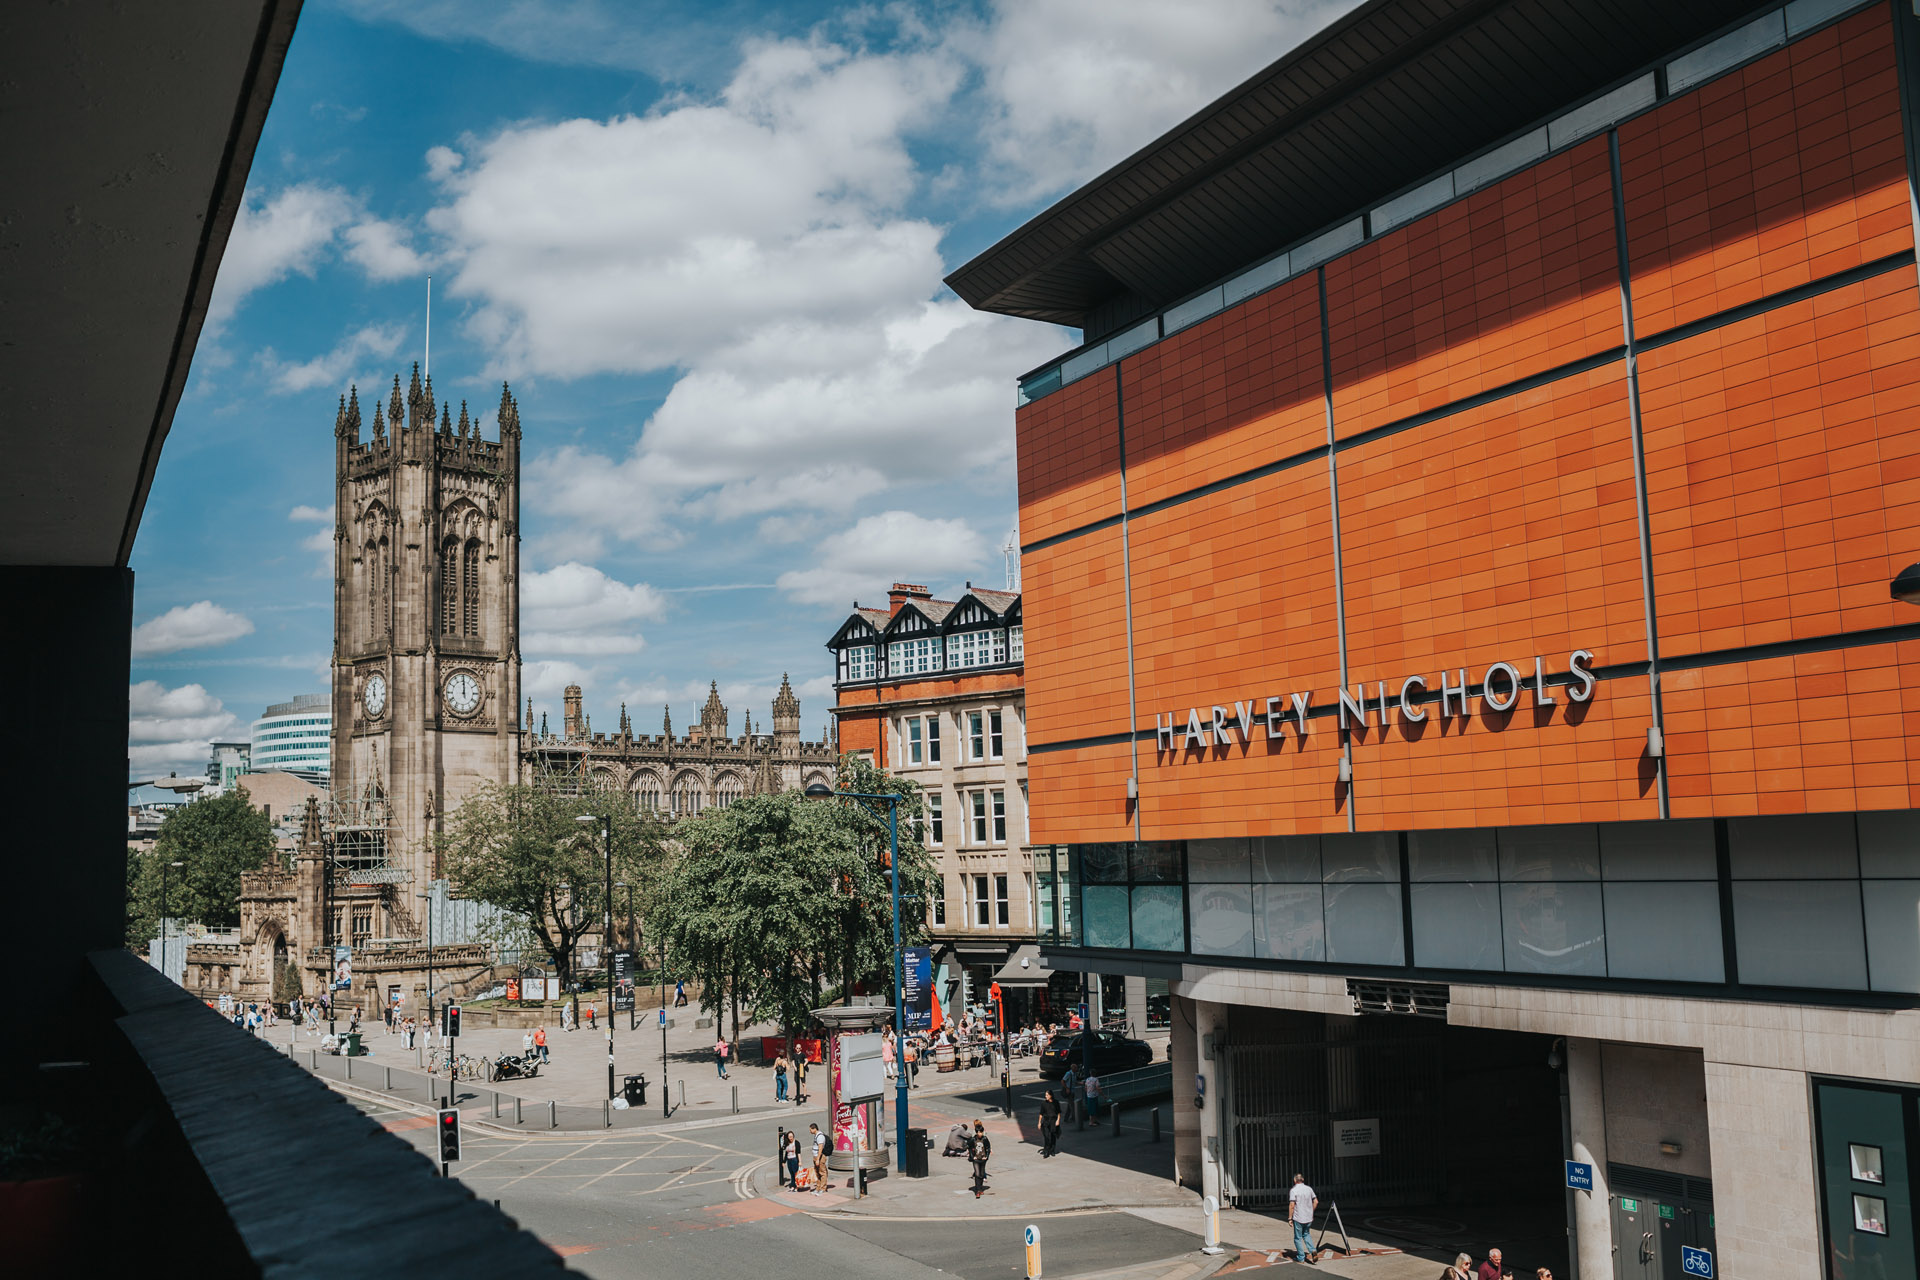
(426, 613)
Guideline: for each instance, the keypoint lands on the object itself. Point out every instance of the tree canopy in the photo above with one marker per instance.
(523, 849)
(774, 899)
(215, 840)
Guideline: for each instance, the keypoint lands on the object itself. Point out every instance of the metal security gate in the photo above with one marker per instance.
(1289, 1077)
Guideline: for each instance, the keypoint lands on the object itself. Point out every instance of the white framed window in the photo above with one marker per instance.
(1026, 817)
(976, 735)
(1000, 901)
(1016, 645)
(936, 822)
(1030, 903)
(933, 739)
(937, 909)
(998, 639)
(999, 817)
(979, 817)
(913, 740)
(982, 905)
(914, 657)
(858, 662)
(996, 739)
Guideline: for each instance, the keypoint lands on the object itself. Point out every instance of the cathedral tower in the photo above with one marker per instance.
(426, 616)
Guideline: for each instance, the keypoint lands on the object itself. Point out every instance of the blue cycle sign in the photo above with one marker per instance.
(1579, 1176)
(1696, 1262)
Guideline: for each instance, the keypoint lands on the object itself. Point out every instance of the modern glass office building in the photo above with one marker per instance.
(1460, 651)
(295, 737)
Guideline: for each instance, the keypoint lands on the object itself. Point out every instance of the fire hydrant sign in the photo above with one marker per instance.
(1356, 1138)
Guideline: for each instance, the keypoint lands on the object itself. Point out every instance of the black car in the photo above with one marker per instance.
(1109, 1052)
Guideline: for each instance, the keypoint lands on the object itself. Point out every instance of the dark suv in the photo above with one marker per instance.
(1110, 1052)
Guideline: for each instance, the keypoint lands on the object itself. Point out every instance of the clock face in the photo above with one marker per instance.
(374, 696)
(463, 694)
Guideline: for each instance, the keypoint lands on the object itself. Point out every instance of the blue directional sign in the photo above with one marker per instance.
(663, 1019)
(1579, 1176)
(1696, 1262)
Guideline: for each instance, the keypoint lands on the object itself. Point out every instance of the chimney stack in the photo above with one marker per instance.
(901, 592)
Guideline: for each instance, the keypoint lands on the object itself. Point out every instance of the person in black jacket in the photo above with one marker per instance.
(978, 1150)
(1049, 1124)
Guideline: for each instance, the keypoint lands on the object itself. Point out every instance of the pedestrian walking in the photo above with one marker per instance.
(592, 1017)
(800, 1077)
(1071, 1094)
(1491, 1268)
(680, 994)
(912, 1055)
(888, 1058)
(540, 1043)
(1302, 1203)
(526, 1045)
(566, 1017)
(1049, 1124)
(780, 1076)
(979, 1149)
(819, 1160)
(720, 1056)
(1094, 1096)
(1460, 1270)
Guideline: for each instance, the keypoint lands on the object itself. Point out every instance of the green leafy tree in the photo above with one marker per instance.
(214, 840)
(523, 849)
(773, 897)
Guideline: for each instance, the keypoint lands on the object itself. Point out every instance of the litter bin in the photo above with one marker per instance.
(352, 1040)
(635, 1091)
(913, 1161)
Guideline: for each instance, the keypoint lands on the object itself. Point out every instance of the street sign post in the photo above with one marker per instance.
(1696, 1262)
(1033, 1252)
(1579, 1176)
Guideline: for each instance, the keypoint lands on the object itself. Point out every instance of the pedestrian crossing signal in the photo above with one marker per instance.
(450, 1021)
(449, 1135)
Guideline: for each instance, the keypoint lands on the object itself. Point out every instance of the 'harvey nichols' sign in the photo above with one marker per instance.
(1360, 707)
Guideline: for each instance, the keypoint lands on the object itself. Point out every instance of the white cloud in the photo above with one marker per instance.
(442, 161)
(545, 680)
(168, 729)
(339, 366)
(381, 250)
(1077, 85)
(274, 238)
(860, 562)
(576, 609)
(310, 515)
(192, 626)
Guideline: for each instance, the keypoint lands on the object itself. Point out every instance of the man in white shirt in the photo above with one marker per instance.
(1302, 1203)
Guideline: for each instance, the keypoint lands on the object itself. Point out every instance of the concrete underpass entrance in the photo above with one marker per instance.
(1449, 1134)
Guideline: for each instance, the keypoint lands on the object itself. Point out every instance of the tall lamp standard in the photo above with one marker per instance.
(432, 1028)
(165, 906)
(606, 935)
(871, 803)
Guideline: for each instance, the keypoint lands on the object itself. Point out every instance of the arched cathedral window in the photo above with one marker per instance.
(450, 588)
(470, 590)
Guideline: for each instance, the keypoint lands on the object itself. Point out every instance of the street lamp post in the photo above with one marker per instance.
(166, 902)
(433, 1031)
(606, 935)
(871, 802)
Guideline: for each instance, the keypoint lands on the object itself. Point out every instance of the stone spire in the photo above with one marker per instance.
(446, 423)
(347, 421)
(509, 415)
(310, 827)
(713, 716)
(666, 723)
(528, 722)
(465, 424)
(626, 725)
(786, 713)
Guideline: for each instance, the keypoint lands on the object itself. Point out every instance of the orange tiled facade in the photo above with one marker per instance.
(1420, 457)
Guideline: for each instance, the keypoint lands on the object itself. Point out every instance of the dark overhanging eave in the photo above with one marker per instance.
(1356, 113)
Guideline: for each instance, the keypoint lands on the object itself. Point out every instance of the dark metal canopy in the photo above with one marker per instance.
(1395, 90)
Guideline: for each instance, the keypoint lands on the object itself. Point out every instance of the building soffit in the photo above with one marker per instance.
(1345, 119)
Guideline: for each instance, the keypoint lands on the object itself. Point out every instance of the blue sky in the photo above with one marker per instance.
(705, 244)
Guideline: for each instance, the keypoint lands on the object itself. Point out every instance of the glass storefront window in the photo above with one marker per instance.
(1289, 923)
(1158, 923)
(1285, 859)
(1107, 916)
(1551, 927)
(1457, 926)
(1363, 924)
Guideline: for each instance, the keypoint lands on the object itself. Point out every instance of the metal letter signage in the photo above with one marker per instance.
(1360, 708)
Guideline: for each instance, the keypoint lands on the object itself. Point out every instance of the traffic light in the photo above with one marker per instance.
(450, 1021)
(449, 1135)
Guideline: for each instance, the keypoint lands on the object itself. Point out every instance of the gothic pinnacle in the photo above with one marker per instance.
(394, 405)
(446, 424)
(465, 424)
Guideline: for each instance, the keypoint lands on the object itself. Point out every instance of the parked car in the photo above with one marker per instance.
(1109, 1051)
